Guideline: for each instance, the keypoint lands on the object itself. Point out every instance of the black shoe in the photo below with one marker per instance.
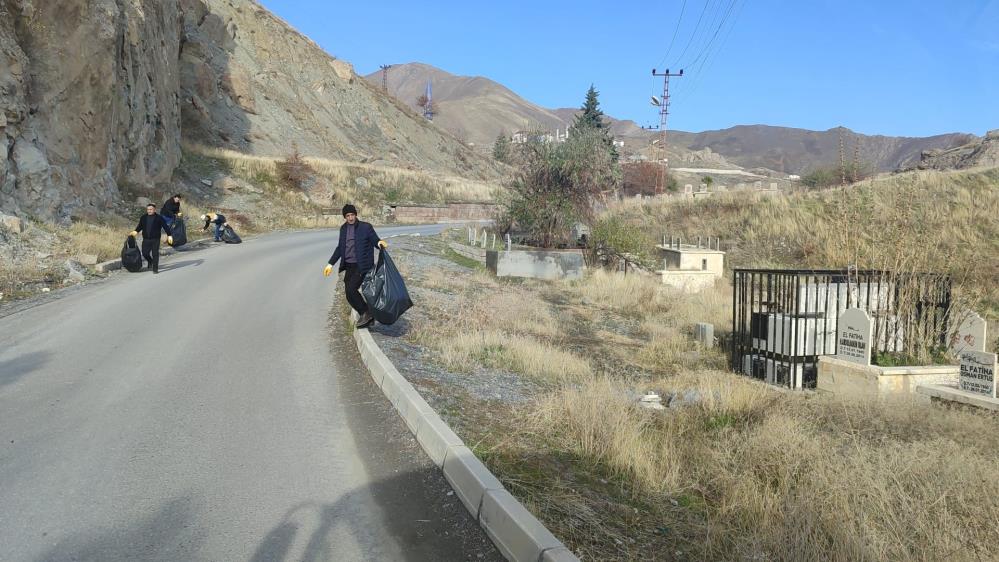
(156, 270)
(365, 320)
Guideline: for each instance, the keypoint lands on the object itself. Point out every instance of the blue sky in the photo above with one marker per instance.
(877, 66)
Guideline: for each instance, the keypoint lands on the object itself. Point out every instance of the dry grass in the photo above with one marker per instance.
(906, 223)
(747, 474)
(338, 179)
(741, 472)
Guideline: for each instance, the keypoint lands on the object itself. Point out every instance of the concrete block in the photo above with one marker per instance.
(518, 535)
(436, 437)
(537, 264)
(560, 554)
(469, 477)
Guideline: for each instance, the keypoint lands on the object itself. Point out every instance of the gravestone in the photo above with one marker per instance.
(970, 334)
(978, 373)
(705, 334)
(853, 337)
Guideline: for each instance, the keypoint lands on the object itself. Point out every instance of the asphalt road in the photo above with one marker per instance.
(206, 413)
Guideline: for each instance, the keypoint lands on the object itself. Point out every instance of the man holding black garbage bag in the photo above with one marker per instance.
(150, 225)
(356, 252)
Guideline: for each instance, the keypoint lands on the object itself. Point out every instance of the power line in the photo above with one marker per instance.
(675, 31)
(710, 59)
(696, 28)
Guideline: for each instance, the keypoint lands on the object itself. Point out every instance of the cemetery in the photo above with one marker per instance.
(823, 328)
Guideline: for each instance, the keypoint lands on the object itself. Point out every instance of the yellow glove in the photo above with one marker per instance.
(382, 244)
(180, 215)
(327, 270)
(133, 234)
(170, 240)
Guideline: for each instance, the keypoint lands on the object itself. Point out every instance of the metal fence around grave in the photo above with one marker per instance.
(784, 320)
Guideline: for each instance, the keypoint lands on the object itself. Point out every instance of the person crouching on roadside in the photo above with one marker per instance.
(218, 219)
(170, 211)
(356, 252)
(150, 225)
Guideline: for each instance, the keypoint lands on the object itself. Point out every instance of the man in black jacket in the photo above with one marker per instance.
(356, 252)
(171, 210)
(150, 225)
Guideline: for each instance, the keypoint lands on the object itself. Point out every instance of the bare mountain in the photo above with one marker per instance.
(480, 109)
(474, 108)
(798, 151)
(98, 94)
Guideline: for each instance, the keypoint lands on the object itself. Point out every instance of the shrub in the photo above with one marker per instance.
(294, 171)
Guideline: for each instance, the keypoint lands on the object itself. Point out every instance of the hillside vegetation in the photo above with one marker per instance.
(923, 221)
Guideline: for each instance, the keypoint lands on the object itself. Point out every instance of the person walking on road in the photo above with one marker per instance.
(356, 252)
(219, 220)
(150, 225)
(171, 210)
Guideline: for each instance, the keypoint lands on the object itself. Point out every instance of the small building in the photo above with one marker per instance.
(691, 268)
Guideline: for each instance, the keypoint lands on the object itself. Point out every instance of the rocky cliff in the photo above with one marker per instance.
(99, 94)
(88, 100)
(983, 152)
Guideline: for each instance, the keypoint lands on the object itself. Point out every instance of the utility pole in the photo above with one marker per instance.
(663, 104)
(856, 159)
(385, 68)
(842, 159)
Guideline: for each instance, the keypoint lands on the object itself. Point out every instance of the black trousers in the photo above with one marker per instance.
(352, 278)
(151, 251)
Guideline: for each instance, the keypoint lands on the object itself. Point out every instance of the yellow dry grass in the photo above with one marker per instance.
(339, 177)
(749, 474)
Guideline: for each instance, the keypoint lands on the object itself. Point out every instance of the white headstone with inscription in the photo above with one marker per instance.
(978, 373)
(970, 334)
(853, 337)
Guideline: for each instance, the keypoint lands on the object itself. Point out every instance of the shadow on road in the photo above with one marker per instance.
(13, 369)
(177, 265)
(164, 535)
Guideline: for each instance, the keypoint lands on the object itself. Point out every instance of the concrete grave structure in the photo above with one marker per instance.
(691, 268)
(969, 335)
(978, 373)
(853, 339)
(537, 264)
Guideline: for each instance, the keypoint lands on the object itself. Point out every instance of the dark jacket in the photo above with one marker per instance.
(170, 208)
(150, 227)
(365, 242)
(219, 220)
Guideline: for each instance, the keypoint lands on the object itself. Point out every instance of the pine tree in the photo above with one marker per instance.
(591, 117)
(501, 148)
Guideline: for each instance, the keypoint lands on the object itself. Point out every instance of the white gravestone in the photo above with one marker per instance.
(970, 334)
(978, 373)
(853, 337)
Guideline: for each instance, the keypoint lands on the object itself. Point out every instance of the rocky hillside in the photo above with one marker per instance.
(480, 109)
(982, 152)
(98, 95)
(798, 151)
(473, 107)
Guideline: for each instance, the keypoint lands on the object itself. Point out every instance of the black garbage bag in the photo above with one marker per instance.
(179, 233)
(385, 291)
(131, 257)
(229, 236)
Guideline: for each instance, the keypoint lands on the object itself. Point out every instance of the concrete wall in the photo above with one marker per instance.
(865, 381)
(688, 281)
(537, 264)
(452, 212)
(691, 259)
(470, 252)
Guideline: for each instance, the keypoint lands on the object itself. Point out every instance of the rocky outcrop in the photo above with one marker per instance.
(98, 94)
(88, 99)
(982, 152)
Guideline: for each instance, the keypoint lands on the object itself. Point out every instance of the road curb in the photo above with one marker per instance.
(518, 535)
